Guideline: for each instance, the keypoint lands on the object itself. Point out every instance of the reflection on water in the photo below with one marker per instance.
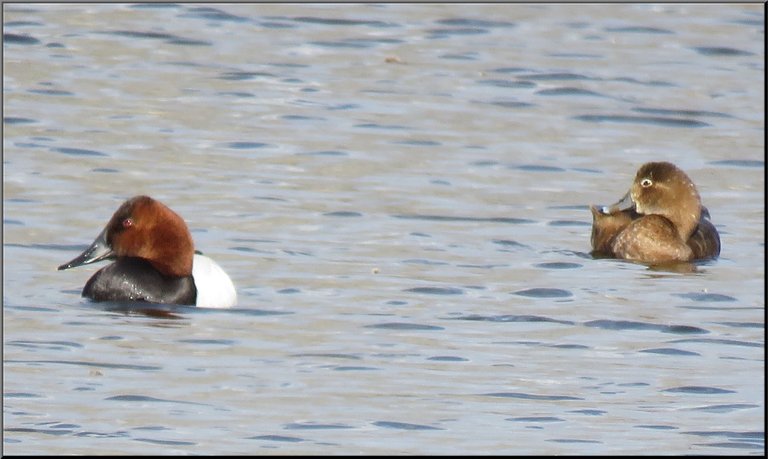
(399, 193)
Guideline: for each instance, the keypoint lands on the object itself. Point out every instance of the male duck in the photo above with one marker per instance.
(154, 260)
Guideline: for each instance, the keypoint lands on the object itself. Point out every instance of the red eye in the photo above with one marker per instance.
(127, 223)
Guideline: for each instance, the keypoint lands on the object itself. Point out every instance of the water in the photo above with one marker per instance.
(400, 194)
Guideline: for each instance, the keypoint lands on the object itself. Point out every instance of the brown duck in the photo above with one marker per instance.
(659, 220)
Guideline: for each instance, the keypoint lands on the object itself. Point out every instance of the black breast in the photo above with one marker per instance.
(135, 279)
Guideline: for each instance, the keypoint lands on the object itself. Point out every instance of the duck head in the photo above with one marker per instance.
(661, 188)
(143, 228)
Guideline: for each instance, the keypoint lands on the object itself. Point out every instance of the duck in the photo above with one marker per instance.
(659, 220)
(154, 260)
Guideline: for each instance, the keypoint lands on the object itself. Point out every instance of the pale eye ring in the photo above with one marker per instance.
(646, 182)
(127, 223)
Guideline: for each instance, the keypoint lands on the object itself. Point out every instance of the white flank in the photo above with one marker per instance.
(214, 287)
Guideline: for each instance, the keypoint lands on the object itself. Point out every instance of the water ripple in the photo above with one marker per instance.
(718, 51)
(213, 14)
(669, 351)
(639, 29)
(691, 113)
(727, 408)
(557, 265)
(279, 438)
(343, 22)
(512, 318)
(447, 358)
(699, 390)
(557, 76)
(314, 426)
(532, 396)
(544, 293)
(146, 398)
(450, 218)
(404, 326)
(536, 419)
(168, 38)
(632, 325)
(89, 364)
(79, 152)
(17, 120)
(568, 91)
(510, 243)
(730, 342)
(653, 120)
(705, 296)
(404, 426)
(17, 39)
(435, 290)
(166, 442)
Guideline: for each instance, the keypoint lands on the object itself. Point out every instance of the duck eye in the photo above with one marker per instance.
(127, 223)
(646, 183)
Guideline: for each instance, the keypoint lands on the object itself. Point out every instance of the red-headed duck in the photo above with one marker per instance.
(660, 220)
(155, 260)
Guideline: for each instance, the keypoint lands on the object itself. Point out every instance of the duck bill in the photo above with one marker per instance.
(623, 204)
(99, 250)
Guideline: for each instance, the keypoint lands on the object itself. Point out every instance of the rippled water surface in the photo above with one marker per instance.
(400, 194)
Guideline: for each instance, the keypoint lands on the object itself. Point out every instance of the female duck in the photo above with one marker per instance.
(155, 260)
(659, 220)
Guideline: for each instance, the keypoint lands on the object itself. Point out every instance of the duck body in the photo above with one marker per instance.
(154, 261)
(134, 279)
(660, 220)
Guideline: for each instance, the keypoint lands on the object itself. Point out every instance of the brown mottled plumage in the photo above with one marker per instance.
(660, 220)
